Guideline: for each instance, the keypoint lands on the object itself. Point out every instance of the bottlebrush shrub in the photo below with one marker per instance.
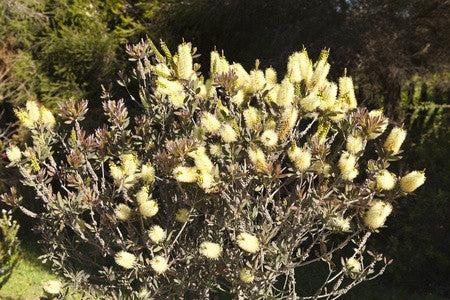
(220, 184)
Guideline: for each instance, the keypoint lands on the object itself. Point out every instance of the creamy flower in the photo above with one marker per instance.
(248, 242)
(238, 98)
(159, 264)
(33, 111)
(354, 144)
(288, 120)
(310, 102)
(257, 157)
(246, 275)
(269, 138)
(350, 174)
(320, 74)
(148, 173)
(142, 195)
(116, 172)
(125, 259)
(228, 134)
(329, 95)
(182, 215)
(13, 153)
(47, 117)
(347, 162)
(148, 208)
(215, 150)
(395, 140)
(385, 180)
(184, 65)
(376, 216)
(205, 180)
(300, 157)
(210, 250)
(157, 234)
(353, 265)
(251, 117)
(412, 181)
(52, 287)
(285, 96)
(122, 212)
(243, 78)
(257, 81)
(271, 77)
(185, 174)
(347, 92)
(129, 163)
(201, 160)
(209, 122)
(161, 69)
(323, 168)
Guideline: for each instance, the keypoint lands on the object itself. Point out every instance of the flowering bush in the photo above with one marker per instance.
(222, 184)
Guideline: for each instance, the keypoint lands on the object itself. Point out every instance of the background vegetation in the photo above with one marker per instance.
(397, 52)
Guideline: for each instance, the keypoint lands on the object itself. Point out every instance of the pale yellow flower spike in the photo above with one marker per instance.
(376, 216)
(395, 140)
(210, 250)
(125, 259)
(410, 182)
(184, 66)
(285, 96)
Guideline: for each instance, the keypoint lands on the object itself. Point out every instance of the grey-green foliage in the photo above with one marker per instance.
(9, 246)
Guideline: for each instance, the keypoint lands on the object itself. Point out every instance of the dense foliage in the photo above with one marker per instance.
(9, 246)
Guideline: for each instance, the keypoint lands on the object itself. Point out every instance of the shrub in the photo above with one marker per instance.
(222, 184)
(9, 246)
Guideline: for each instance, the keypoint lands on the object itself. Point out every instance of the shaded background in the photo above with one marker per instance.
(396, 51)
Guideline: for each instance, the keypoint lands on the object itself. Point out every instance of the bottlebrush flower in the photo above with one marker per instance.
(13, 154)
(185, 174)
(159, 264)
(385, 180)
(157, 234)
(412, 181)
(210, 250)
(248, 242)
(395, 140)
(148, 208)
(209, 123)
(52, 287)
(354, 143)
(125, 259)
(122, 212)
(376, 216)
(246, 275)
(269, 138)
(184, 64)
